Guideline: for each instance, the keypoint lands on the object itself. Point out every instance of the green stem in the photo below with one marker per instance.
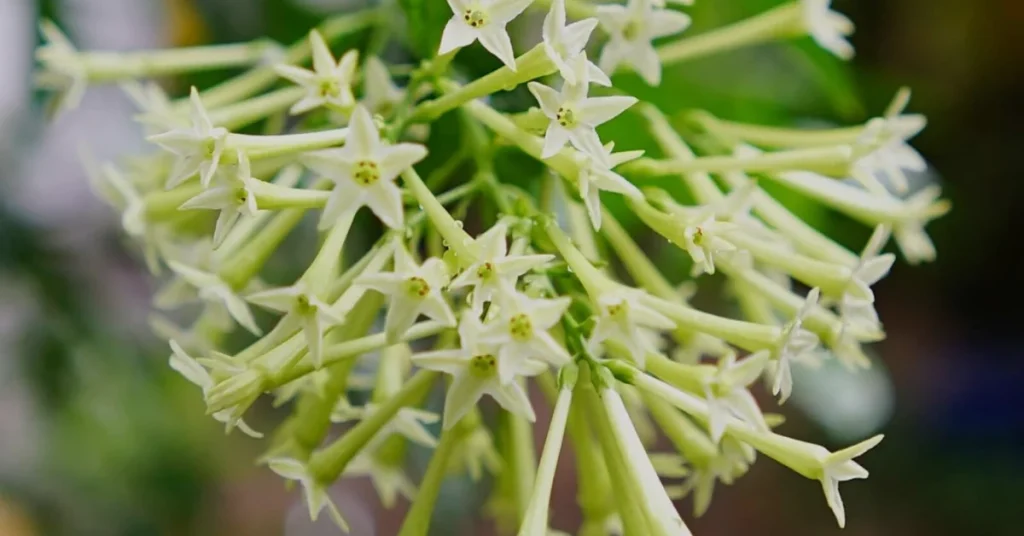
(833, 160)
(531, 65)
(247, 112)
(116, 66)
(417, 520)
(324, 267)
(779, 23)
(328, 463)
(458, 240)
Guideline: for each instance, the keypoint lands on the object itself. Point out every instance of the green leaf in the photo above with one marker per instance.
(425, 21)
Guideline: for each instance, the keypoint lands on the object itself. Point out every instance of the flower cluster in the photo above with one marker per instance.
(533, 298)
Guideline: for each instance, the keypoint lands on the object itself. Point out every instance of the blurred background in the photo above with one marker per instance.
(99, 437)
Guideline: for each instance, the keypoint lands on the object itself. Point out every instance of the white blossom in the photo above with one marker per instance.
(329, 83)
(622, 318)
(213, 289)
(574, 116)
(727, 394)
(564, 43)
(412, 290)
(315, 491)
(303, 309)
(474, 368)
(63, 69)
(632, 28)
(857, 307)
(520, 331)
(828, 28)
(484, 21)
(596, 175)
(364, 172)
(496, 272)
(380, 94)
(796, 342)
(234, 199)
(198, 149)
(192, 371)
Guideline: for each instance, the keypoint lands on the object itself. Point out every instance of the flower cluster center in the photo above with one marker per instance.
(329, 87)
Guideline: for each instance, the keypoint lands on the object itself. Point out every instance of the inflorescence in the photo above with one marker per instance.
(533, 298)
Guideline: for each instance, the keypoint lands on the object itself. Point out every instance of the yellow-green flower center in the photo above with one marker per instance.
(329, 87)
(417, 287)
(366, 172)
(566, 117)
(486, 271)
(632, 29)
(483, 366)
(476, 18)
(520, 327)
(618, 311)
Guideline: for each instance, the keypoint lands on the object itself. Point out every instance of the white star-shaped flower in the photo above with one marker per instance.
(857, 306)
(521, 332)
(623, 319)
(198, 149)
(413, 290)
(155, 111)
(213, 289)
(632, 28)
(190, 368)
(315, 491)
(475, 369)
(329, 83)
(389, 478)
(484, 21)
(704, 240)
(302, 309)
(63, 69)
(380, 94)
(496, 272)
(828, 28)
(409, 422)
(574, 116)
(364, 172)
(563, 43)
(596, 176)
(234, 199)
(839, 467)
(796, 342)
(727, 394)
(885, 139)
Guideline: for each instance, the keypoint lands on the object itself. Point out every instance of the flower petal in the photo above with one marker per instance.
(457, 34)
(495, 39)
(385, 200)
(397, 158)
(363, 139)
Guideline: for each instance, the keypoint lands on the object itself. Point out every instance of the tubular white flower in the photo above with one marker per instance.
(596, 175)
(796, 342)
(632, 28)
(64, 71)
(156, 113)
(410, 423)
(727, 394)
(563, 43)
(364, 172)
(474, 368)
(574, 116)
(329, 83)
(234, 200)
(622, 317)
(828, 28)
(496, 272)
(316, 492)
(380, 94)
(198, 149)
(213, 289)
(858, 310)
(388, 479)
(413, 290)
(195, 373)
(484, 21)
(886, 139)
(303, 310)
(655, 501)
(521, 332)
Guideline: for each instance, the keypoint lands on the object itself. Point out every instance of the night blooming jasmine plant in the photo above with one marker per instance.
(489, 267)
